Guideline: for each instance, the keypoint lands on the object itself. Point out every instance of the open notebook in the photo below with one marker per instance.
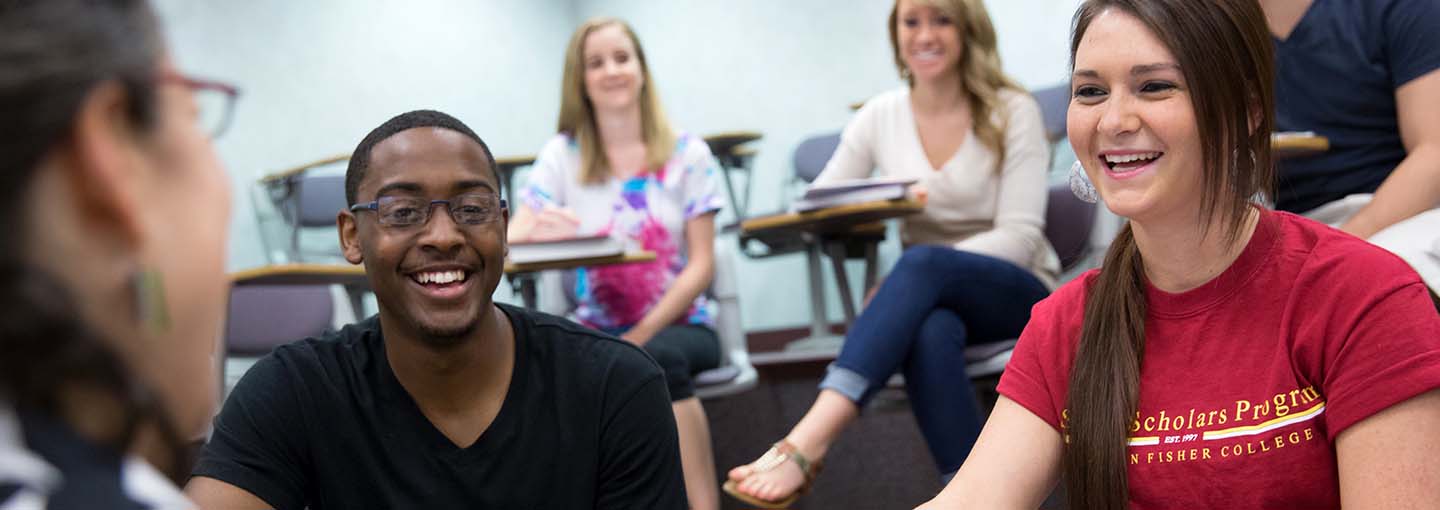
(853, 192)
(586, 247)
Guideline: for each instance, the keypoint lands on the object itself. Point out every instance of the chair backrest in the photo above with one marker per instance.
(265, 316)
(812, 155)
(318, 198)
(1068, 224)
(1054, 101)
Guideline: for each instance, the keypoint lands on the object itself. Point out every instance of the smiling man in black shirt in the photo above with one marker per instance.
(445, 399)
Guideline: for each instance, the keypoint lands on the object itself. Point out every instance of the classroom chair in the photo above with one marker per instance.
(304, 198)
(262, 317)
(1068, 224)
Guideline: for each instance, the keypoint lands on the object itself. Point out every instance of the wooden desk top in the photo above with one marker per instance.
(354, 275)
(301, 274)
(293, 171)
(725, 142)
(1288, 146)
(625, 258)
(834, 219)
(509, 164)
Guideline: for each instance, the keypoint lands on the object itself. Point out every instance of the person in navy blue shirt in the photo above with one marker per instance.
(1366, 75)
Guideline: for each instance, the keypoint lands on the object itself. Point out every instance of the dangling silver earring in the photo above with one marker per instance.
(151, 309)
(1081, 186)
(905, 73)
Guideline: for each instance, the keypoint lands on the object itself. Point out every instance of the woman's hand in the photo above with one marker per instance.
(919, 192)
(637, 335)
(553, 223)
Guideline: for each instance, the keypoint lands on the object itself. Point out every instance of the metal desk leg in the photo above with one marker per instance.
(820, 339)
(509, 175)
(837, 264)
(726, 168)
(524, 284)
(818, 325)
(872, 265)
(357, 300)
(744, 163)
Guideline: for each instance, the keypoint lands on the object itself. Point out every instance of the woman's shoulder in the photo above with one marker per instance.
(1019, 104)
(560, 144)
(560, 156)
(1067, 303)
(1055, 321)
(882, 117)
(1345, 264)
(691, 148)
(885, 102)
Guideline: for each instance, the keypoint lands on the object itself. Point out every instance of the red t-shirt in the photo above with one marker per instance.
(1248, 379)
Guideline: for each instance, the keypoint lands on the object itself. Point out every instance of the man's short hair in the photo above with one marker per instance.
(360, 159)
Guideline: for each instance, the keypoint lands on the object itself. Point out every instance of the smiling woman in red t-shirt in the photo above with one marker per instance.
(1226, 356)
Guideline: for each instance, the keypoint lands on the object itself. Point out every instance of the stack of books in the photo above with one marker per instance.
(852, 192)
(587, 247)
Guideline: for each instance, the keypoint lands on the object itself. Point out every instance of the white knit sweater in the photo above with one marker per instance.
(971, 206)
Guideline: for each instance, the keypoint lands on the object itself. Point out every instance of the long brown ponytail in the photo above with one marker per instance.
(1224, 50)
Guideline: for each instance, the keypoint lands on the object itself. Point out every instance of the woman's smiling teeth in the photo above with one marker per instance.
(439, 277)
(926, 55)
(1127, 162)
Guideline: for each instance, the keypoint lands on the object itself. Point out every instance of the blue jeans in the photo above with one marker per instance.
(934, 302)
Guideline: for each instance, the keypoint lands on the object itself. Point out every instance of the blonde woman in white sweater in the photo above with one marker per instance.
(975, 261)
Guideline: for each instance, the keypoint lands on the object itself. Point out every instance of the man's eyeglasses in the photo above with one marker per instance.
(477, 209)
(215, 101)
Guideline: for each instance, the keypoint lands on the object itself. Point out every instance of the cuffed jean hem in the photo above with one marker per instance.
(848, 383)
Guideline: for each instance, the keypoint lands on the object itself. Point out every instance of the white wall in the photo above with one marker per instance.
(318, 74)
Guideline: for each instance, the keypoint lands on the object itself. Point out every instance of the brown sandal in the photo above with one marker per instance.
(773, 458)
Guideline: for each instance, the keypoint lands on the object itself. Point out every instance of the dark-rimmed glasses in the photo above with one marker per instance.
(215, 101)
(473, 209)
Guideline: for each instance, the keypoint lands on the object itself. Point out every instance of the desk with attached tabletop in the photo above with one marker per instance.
(287, 174)
(356, 283)
(1290, 145)
(828, 230)
(507, 167)
(728, 148)
(301, 197)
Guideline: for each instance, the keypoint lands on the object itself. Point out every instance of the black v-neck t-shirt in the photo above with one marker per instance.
(324, 424)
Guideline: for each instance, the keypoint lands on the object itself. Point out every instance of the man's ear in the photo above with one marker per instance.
(349, 237)
(505, 232)
(105, 169)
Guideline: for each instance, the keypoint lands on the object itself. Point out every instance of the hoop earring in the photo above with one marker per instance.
(148, 291)
(1081, 186)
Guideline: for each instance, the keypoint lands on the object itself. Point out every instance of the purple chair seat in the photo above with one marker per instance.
(265, 316)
